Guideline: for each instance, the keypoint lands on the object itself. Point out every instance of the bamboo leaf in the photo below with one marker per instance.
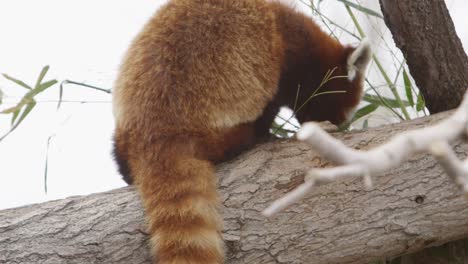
(383, 101)
(12, 109)
(27, 103)
(408, 88)
(27, 98)
(18, 82)
(366, 110)
(41, 76)
(25, 113)
(362, 8)
(24, 101)
(42, 87)
(420, 105)
(15, 115)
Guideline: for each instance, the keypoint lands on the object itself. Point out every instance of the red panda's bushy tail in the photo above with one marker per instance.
(179, 192)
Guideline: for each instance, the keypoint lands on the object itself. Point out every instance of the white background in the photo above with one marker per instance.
(81, 41)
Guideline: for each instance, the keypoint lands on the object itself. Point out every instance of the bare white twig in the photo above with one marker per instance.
(456, 169)
(354, 163)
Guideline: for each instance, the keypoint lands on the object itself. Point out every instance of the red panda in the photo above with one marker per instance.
(202, 82)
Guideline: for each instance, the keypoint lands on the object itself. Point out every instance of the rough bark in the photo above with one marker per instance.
(425, 33)
(411, 207)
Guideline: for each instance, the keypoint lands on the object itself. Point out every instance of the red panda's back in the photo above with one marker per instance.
(214, 63)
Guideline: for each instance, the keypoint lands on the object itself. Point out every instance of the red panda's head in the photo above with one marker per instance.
(337, 90)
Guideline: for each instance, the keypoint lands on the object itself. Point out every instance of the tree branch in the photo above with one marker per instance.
(411, 207)
(373, 162)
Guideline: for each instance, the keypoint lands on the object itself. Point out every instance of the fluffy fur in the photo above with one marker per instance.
(204, 81)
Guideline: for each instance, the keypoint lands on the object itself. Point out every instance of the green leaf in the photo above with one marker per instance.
(365, 111)
(420, 104)
(408, 88)
(25, 113)
(30, 95)
(20, 83)
(15, 115)
(361, 8)
(1, 96)
(383, 101)
(43, 87)
(27, 103)
(12, 109)
(360, 113)
(41, 76)
(24, 101)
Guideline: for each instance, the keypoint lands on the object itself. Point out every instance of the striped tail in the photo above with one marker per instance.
(179, 193)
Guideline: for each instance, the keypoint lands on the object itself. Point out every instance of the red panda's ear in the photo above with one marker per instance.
(359, 59)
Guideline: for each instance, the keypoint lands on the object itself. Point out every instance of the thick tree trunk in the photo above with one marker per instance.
(411, 207)
(425, 33)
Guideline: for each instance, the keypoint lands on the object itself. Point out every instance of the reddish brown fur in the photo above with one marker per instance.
(202, 82)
